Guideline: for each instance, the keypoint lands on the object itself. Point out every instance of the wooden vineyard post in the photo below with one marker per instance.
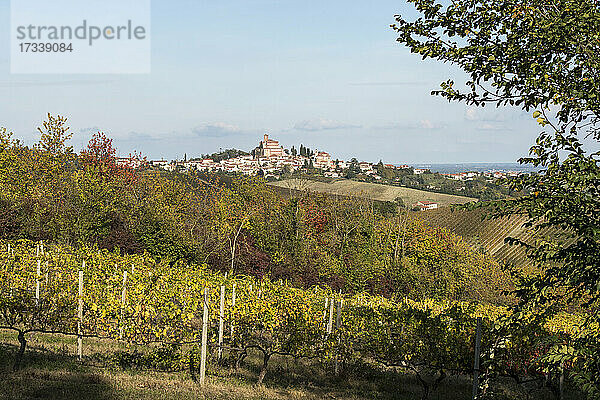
(204, 339)
(325, 313)
(221, 321)
(38, 272)
(330, 323)
(123, 294)
(80, 315)
(476, 362)
(232, 307)
(338, 323)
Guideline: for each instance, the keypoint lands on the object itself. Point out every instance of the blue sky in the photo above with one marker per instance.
(327, 74)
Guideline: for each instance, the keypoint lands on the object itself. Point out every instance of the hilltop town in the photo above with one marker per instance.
(274, 162)
(271, 160)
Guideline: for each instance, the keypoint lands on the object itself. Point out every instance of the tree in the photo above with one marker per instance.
(54, 135)
(101, 155)
(353, 169)
(232, 210)
(380, 168)
(542, 57)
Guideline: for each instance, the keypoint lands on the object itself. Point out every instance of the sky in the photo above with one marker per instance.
(327, 74)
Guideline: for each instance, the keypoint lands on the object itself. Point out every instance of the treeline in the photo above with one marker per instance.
(223, 155)
(47, 192)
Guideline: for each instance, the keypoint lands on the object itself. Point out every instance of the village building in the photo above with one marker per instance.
(159, 163)
(268, 148)
(342, 164)
(366, 167)
(425, 205)
(130, 162)
(322, 160)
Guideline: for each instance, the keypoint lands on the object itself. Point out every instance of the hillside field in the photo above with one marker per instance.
(483, 234)
(374, 191)
(487, 235)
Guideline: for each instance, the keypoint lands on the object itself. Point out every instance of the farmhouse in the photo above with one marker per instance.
(425, 205)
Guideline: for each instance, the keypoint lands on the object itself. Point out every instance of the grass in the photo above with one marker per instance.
(374, 191)
(51, 371)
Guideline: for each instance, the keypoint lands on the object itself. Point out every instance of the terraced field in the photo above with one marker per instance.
(374, 191)
(487, 235)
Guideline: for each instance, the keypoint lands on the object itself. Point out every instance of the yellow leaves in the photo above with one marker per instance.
(163, 305)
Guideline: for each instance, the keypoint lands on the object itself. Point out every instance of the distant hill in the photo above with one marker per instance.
(374, 191)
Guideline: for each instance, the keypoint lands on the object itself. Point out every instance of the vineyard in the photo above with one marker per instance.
(374, 191)
(90, 293)
(488, 235)
(483, 234)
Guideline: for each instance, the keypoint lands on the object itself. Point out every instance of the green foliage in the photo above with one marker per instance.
(225, 155)
(142, 300)
(54, 136)
(540, 57)
(353, 169)
(235, 224)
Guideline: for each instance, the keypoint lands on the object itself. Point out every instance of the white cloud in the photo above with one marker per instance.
(493, 114)
(216, 129)
(491, 127)
(424, 124)
(321, 124)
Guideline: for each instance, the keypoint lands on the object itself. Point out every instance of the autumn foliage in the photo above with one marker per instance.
(236, 225)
